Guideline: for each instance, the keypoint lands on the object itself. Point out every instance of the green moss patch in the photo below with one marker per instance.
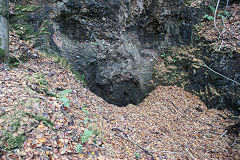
(2, 53)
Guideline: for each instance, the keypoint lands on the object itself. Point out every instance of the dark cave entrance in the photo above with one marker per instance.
(120, 93)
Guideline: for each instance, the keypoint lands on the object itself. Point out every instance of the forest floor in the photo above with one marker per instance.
(223, 34)
(47, 113)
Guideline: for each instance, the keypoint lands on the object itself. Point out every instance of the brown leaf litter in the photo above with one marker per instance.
(227, 22)
(169, 124)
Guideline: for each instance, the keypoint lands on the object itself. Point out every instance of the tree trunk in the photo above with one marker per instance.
(4, 30)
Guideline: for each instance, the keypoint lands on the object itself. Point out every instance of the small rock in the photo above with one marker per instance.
(35, 56)
(7, 78)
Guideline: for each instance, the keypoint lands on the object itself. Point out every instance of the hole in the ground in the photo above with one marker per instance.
(120, 93)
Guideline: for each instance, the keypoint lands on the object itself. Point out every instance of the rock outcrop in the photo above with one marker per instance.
(115, 44)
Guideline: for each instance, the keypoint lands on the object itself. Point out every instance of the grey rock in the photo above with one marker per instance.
(113, 43)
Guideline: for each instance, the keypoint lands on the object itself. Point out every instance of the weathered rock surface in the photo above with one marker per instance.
(115, 44)
(214, 89)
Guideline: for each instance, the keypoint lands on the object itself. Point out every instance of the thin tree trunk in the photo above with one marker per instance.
(4, 29)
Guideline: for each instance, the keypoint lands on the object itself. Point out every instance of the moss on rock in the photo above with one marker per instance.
(2, 55)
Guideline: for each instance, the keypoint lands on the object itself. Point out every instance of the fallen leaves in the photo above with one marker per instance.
(55, 131)
(42, 140)
(228, 40)
(51, 129)
(42, 127)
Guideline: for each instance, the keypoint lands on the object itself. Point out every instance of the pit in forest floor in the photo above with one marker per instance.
(120, 94)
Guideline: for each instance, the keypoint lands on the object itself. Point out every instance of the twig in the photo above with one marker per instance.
(215, 14)
(179, 110)
(221, 33)
(220, 45)
(234, 142)
(127, 138)
(191, 154)
(204, 65)
(173, 152)
(222, 134)
(154, 57)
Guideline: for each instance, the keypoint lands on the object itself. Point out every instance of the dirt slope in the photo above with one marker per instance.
(46, 113)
